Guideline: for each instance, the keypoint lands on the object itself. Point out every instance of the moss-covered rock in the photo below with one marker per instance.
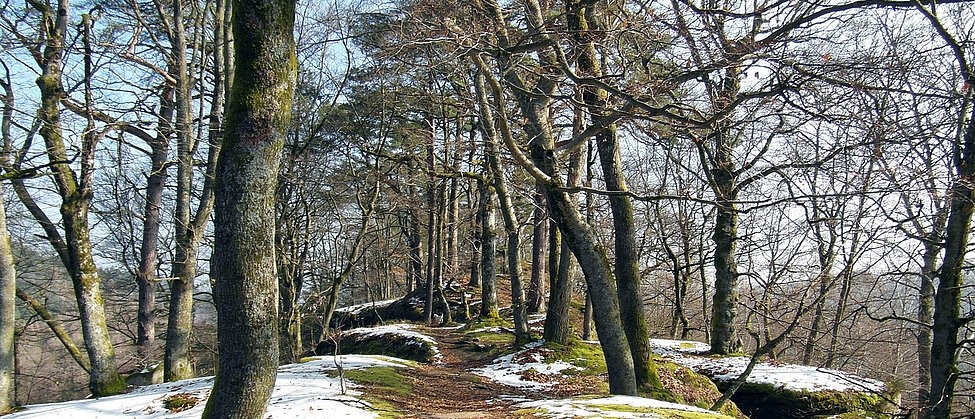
(152, 374)
(395, 341)
(408, 308)
(765, 401)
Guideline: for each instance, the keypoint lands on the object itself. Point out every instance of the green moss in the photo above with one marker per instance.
(584, 355)
(382, 408)
(115, 384)
(387, 378)
(684, 386)
(757, 399)
(179, 402)
(486, 322)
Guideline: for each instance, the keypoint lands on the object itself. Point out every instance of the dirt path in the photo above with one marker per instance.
(450, 390)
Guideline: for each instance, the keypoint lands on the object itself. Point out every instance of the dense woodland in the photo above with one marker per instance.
(786, 178)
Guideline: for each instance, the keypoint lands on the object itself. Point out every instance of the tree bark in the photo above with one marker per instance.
(508, 214)
(580, 20)
(489, 275)
(536, 286)
(243, 264)
(148, 252)
(557, 326)
(8, 313)
(75, 191)
(947, 298)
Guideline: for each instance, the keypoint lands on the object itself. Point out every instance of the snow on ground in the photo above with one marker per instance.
(511, 369)
(405, 330)
(788, 376)
(626, 407)
(356, 309)
(302, 390)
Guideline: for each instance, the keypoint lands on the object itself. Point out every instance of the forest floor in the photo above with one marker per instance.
(448, 389)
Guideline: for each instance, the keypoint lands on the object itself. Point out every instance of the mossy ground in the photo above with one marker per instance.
(388, 379)
(179, 402)
(584, 355)
(494, 342)
(380, 383)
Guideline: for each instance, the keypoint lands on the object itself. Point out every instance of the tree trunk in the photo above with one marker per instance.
(557, 326)
(489, 275)
(148, 252)
(8, 313)
(431, 222)
(245, 291)
(925, 318)
(536, 287)
(190, 228)
(947, 298)
(724, 339)
(75, 191)
(475, 278)
(580, 19)
(507, 212)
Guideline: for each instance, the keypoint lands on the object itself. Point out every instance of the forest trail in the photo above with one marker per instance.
(448, 389)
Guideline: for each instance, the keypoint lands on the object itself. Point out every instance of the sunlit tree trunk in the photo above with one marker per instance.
(75, 190)
(8, 312)
(243, 265)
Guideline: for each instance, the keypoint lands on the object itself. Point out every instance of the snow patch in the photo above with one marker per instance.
(510, 369)
(602, 407)
(787, 376)
(356, 309)
(302, 390)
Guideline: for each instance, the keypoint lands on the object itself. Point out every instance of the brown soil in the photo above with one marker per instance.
(450, 390)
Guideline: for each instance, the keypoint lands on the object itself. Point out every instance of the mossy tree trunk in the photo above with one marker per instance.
(557, 326)
(533, 102)
(75, 190)
(582, 24)
(243, 265)
(723, 177)
(492, 150)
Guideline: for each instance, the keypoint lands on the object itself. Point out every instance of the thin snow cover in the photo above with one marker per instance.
(494, 329)
(788, 376)
(301, 390)
(404, 330)
(510, 369)
(356, 309)
(602, 407)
